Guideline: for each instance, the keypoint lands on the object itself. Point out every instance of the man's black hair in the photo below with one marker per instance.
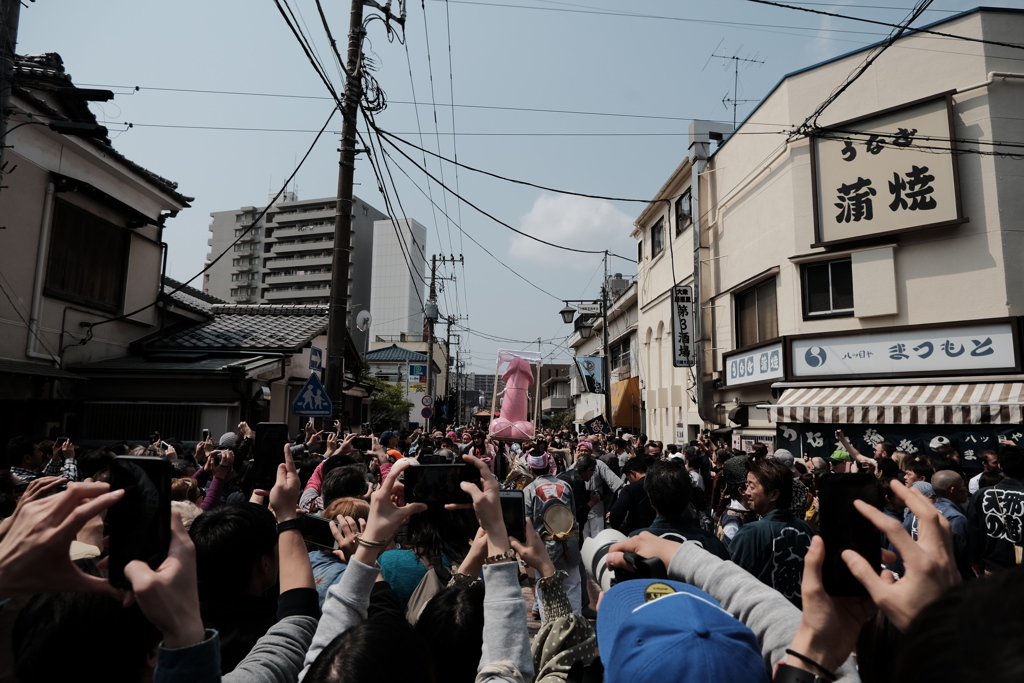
(343, 482)
(668, 487)
(18, 448)
(306, 468)
(638, 465)
(585, 463)
(336, 461)
(889, 448)
(620, 443)
(923, 470)
(452, 627)
(366, 652)
(92, 463)
(1011, 461)
(229, 541)
(773, 476)
(887, 468)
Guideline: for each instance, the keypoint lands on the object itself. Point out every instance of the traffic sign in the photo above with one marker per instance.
(312, 400)
(427, 413)
(427, 400)
(316, 358)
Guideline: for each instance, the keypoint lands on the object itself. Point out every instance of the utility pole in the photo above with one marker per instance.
(431, 317)
(607, 358)
(337, 325)
(11, 10)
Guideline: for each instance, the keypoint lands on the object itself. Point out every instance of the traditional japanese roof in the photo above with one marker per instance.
(190, 298)
(264, 327)
(394, 354)
(183, 364)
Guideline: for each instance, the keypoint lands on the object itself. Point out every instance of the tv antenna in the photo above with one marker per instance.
(736, 60)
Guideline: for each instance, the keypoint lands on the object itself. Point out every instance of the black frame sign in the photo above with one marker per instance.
(886, 173)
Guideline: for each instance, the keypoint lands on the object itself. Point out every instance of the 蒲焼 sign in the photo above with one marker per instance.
(684, 354)
(886, 173)
(757, 365)
(919, 350)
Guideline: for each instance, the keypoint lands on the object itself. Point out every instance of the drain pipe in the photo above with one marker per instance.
(37, 283)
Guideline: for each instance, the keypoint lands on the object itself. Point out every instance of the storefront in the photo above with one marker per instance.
(917, 387)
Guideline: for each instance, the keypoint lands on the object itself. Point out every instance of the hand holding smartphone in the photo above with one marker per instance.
(439, 485)
(513, 511)
(139, 525)
(843, 527)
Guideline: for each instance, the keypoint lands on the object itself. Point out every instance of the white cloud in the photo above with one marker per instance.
(574, 222)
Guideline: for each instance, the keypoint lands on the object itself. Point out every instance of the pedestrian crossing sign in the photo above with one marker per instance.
(312, 400)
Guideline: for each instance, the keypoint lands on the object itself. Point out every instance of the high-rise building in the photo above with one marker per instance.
(286, 257)
(397, 295)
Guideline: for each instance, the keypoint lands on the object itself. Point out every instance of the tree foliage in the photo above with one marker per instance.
(389, 407)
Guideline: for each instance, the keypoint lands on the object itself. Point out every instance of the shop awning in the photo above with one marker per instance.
(933, 404)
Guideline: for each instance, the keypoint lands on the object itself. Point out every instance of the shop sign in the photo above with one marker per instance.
(886, 173)
(759, 365)
(684, 353)
(912, 351)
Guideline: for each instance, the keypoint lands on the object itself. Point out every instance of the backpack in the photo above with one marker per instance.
(436, 578)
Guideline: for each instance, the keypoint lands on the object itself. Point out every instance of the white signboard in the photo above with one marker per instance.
(684, 353)
(886, 173)
(680, 432)
(760, 365)
(909, 351)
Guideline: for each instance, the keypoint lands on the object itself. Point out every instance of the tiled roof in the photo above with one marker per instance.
(394, 354)
(267, 328)
(190, 298)
(184, 364)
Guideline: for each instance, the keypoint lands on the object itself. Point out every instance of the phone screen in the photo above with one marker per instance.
(437, 485)
(362, 443)
(842, 527)
(268, 452)
(317, 530)
(513, 511)
(139, 524)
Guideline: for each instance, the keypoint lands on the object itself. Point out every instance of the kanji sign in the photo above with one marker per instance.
(757, 365)
(684, 353)
(312, 400)
(886, 173)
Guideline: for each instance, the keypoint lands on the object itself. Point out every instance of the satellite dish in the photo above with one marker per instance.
(363, 321)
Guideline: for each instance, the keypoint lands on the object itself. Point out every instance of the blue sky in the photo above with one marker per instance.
(632, 82)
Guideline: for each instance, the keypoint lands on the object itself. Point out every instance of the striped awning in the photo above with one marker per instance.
(932, 404)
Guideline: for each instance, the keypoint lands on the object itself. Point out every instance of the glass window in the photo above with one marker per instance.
(658, 238)
(683, 208)
(88, 260)
(756, 314)
(828, 288)
(639, 251)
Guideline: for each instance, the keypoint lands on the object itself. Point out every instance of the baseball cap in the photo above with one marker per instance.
(385, 437)
(786, 458)
(665, 631)
(840, 456)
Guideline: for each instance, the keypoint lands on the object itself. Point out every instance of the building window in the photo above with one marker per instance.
(619, 354)
(828, 289)
(658, 238)
(756, 316)
(683, 208)
(639, 251)
(88, 260)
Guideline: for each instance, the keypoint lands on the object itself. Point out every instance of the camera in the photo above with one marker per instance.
(595, 561)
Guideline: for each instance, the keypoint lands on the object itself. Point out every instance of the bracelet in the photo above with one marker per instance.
(506, 556)
(290, 524)
(370, 544)
(810, 662)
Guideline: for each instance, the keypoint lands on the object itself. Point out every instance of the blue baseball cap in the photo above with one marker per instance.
(667, 631)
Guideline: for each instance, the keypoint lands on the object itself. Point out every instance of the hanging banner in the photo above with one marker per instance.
(684, 353)
(591, 369)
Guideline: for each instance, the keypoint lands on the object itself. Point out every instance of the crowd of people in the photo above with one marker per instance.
(332, 575)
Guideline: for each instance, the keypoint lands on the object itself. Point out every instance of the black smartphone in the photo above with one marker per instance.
(154, 437)
(327, 435)
(317, 531)
(139, 525)
(842, 528)
(438, 485)
(362, 443)
(268, 453)
(513, 511)
(206, 434)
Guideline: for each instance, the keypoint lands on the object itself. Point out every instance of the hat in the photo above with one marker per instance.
(734, 471)
(786, 458)
(385, 437)
(538, 461)
(227, 440)
(924, 487)
(840, 456)
(651, 630)
(585, 444)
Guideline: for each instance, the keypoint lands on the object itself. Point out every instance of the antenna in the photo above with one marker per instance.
(735, 59)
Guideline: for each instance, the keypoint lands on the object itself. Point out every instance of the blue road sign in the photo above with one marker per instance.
(312, 400)
(316, 358)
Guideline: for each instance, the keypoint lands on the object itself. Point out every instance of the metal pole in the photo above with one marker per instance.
(337, 326)
(432, 298)
(607, 358)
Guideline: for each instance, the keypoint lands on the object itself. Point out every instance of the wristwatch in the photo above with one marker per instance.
(784, 673)
(290, 524)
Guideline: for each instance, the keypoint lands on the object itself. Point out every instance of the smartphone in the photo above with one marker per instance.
(268, 453)
(362, 443)
(317, 531)
(513, 511)
(139, 525)
(842, 528)
(206, 434)
(59, 442)
(438, 485)
(327, 435)
(154, 437)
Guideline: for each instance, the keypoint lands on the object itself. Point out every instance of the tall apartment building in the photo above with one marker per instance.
(397, 296)
(286, 257)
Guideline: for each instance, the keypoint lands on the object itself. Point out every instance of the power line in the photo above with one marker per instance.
(238, 239)
(455, 147)
(983, 41)
(35, 334)
(503, 223)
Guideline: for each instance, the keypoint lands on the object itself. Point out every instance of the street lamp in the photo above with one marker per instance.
(567, 313)
(586, 327)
